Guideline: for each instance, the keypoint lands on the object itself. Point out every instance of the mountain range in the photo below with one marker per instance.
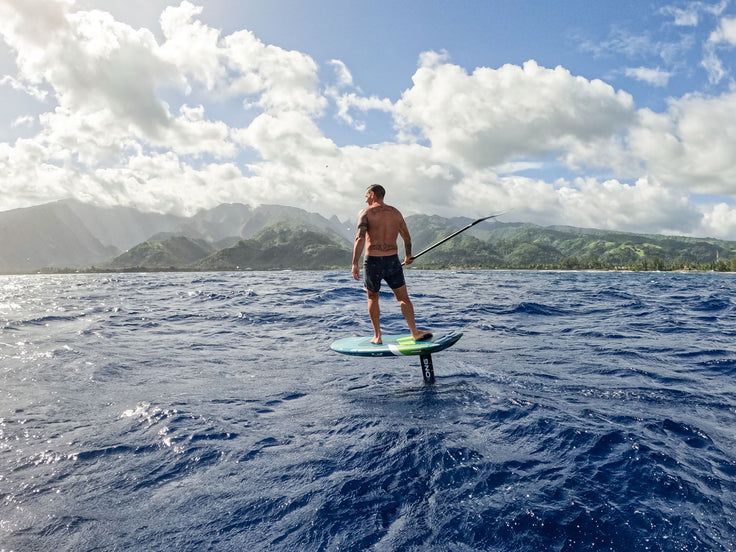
(70, 235)
(73, 235)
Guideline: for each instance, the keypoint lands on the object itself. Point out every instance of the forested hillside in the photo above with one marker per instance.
(503, 245)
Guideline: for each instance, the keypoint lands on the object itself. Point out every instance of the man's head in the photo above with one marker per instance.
(376, 189)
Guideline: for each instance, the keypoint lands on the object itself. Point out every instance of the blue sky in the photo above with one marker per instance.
(618, 115)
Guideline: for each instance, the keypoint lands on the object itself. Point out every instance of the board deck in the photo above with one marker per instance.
(395, 345)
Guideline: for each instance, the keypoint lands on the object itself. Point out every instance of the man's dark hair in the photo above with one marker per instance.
(378, 190)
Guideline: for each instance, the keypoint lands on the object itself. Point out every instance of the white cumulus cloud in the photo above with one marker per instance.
(726, 31)
(689, 14)
(137, 117)
(656, 77)
(492, 116)
(692, 145)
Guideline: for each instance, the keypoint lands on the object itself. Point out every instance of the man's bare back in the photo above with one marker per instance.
(383, 226)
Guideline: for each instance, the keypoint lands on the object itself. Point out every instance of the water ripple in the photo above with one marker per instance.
(580, 411)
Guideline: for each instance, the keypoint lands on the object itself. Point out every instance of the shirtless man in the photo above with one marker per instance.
(378, 227)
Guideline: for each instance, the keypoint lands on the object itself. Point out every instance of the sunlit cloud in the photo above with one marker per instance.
(23, 121)
(27, 88)
(726, 31)
(655, 77)
(690, 14)
(494, 116)
(135, 116)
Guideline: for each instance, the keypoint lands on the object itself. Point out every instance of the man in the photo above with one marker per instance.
(378, 227)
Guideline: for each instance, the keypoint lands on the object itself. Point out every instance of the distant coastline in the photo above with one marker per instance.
(71, 237)
(144, 270)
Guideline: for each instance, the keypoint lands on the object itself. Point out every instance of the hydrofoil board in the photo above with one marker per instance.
(395, 345)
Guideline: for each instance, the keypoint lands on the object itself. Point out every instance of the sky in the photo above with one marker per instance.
(617, 115)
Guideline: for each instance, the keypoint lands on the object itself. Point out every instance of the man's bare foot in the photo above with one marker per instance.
(421, 336)
(377, 340)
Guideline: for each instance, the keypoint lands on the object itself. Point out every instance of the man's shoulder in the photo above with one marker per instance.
(395, 213)
(383, 210)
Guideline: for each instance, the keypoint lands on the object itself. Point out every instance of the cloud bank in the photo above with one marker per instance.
(199, 118)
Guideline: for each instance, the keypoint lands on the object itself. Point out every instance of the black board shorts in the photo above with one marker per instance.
(386, 268)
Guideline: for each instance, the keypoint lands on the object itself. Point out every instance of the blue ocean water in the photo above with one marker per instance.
(205, 411)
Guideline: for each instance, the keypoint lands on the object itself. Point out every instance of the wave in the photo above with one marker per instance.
(206, 411)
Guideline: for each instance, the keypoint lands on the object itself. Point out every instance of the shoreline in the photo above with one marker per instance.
(143, 270)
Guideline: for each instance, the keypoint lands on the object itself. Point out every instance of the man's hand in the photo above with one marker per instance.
(356, 271)
(408, 260)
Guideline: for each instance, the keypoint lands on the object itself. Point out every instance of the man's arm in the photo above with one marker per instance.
(359, 243)
(406, 238)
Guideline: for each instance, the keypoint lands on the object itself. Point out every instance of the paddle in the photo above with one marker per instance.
(431, 247)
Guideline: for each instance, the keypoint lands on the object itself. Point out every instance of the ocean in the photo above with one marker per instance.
(205, 411)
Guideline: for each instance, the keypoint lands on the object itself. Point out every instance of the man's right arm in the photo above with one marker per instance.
(359, 243)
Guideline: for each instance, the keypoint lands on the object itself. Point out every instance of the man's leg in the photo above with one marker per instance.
(375, 314)
(407, 309)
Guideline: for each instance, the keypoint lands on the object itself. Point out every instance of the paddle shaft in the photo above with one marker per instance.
(431, 247)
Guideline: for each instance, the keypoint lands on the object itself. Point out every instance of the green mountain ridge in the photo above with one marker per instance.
(522, 245)
(68, 235)
(298, 245)
(285, 245)
(164, 252)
